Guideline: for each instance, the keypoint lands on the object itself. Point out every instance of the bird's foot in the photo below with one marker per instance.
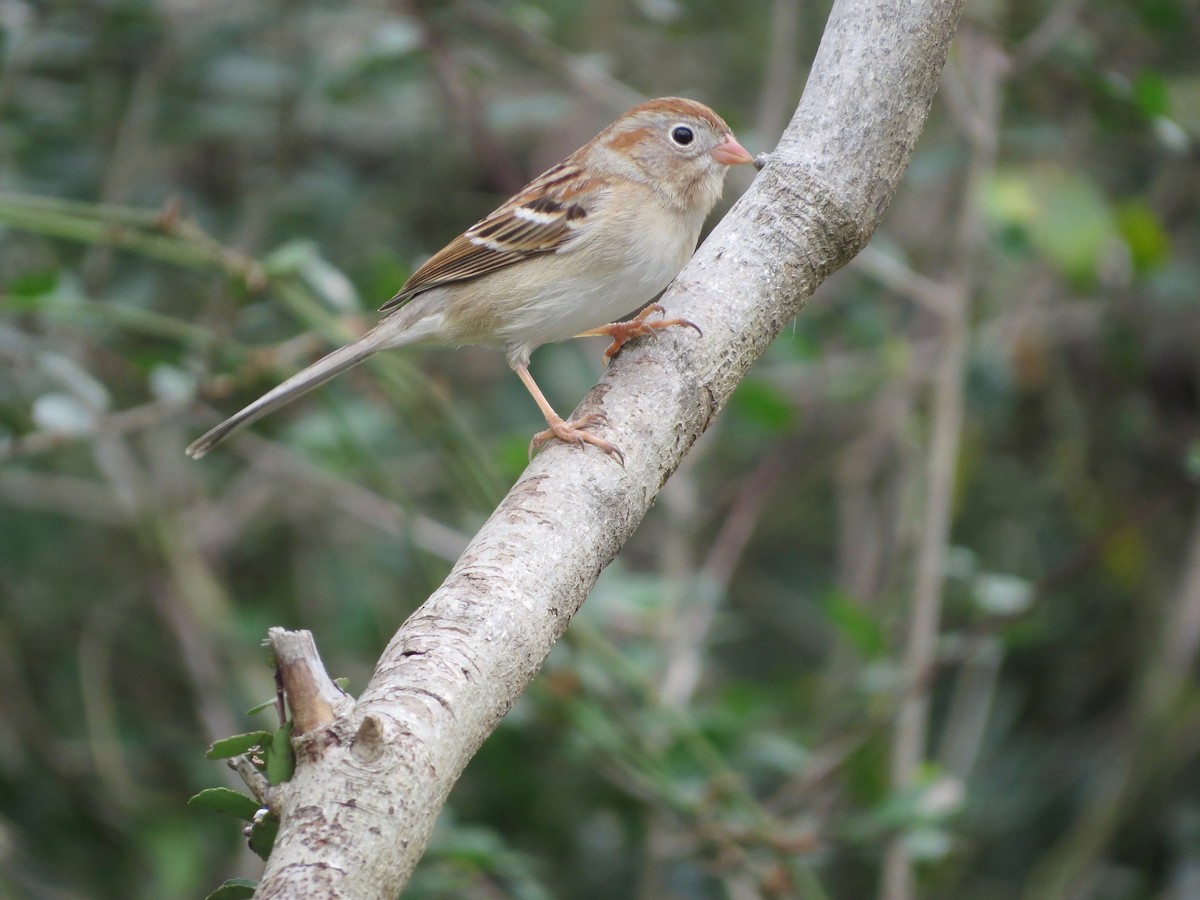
(638, 326)
(573, 433)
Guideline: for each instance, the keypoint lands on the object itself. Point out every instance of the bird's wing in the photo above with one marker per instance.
(545, 216)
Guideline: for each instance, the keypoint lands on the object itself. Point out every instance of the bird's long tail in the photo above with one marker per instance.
(302, 382)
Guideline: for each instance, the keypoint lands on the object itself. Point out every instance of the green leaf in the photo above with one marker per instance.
(266, 704)
(224, 800)
(262, 836)
(238, 744)
(234, 889)
(1074, 225)
(1126, 557)
(1148, 242)
(29, 287)
(290, 257)
(1150, 93)
(856, 626)
(1009, 200)
(280, 758)
(1065, 216)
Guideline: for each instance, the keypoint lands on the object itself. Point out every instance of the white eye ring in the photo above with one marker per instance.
(681, 135)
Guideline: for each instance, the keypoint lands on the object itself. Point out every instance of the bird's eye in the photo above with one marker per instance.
(682, 135)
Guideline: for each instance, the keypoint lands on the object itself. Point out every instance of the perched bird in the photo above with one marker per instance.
(586, 242)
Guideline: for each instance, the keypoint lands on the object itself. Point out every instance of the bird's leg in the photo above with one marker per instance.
(570, 432)
(621, 332)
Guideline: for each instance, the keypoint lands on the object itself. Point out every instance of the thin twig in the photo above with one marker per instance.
(271, 460)
(592, 82)
(136, 418)
(898, 276)
(313, 699)
(691, 628)
(182, 242)
(254, 780)
(130, 146)
(491, 154)
(1042, 39)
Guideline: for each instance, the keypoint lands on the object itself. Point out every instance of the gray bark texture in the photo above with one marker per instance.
(372, 775)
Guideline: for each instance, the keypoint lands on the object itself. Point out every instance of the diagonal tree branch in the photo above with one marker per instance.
(361, 806)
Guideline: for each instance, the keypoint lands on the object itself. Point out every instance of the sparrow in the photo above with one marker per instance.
(586, 242)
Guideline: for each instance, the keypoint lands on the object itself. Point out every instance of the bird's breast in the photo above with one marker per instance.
(603, 276)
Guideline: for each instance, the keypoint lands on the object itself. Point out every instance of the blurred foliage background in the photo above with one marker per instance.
(926, 599)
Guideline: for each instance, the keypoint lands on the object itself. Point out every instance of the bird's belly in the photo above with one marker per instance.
(561, 308)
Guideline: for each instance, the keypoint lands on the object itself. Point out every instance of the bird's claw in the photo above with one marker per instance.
(638, 326)
(573, 433)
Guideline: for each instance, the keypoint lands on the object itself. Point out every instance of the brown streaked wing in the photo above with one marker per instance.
(541, 218)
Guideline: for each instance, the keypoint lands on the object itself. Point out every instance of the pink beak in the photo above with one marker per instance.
(730, 152)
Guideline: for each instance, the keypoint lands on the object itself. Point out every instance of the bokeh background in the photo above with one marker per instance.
(962, 484)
